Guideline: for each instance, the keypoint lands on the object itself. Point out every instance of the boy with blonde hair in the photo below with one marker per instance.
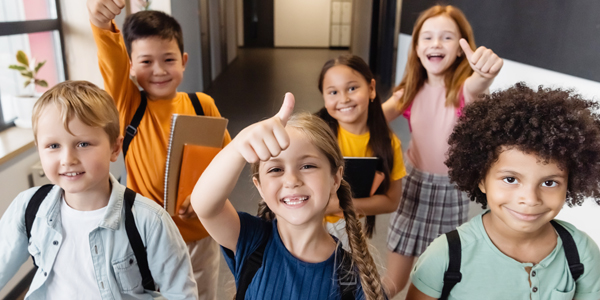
(85, 232)
(151, 51)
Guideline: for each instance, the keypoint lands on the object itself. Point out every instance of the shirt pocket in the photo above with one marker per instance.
(128, 274)
(560, 295)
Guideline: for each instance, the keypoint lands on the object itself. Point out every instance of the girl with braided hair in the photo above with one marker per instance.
(297, 169)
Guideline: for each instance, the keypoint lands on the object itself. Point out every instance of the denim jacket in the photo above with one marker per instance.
(115, 266)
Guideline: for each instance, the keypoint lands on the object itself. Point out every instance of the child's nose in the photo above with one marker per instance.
(529, 196)
(68, 157)
(291, 180)
(159, 69)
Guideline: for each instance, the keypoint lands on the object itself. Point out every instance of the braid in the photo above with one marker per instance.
(369, 276)
(264, 212)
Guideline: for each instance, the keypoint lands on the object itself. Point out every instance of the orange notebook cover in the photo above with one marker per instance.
(188, 131)
(194, 161)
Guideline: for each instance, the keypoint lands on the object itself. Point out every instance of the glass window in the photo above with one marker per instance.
(27, 10)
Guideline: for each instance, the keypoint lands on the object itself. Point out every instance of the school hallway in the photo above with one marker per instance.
(252, 89)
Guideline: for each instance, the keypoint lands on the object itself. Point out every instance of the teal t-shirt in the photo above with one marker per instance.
(487, 273)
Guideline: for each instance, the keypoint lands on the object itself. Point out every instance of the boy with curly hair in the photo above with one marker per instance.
(522, 153)
(151, 51)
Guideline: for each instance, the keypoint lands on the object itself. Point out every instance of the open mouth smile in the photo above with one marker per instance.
(294, 201)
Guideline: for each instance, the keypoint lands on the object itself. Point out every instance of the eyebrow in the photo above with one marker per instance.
(331, 86)
(302, 157)
(148, 55)
(443, 31)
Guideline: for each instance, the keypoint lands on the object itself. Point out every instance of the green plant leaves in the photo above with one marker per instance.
(28, 82)
(27, 74)
(41, 83)
(18, 68)
(22, 58)
(39, 65)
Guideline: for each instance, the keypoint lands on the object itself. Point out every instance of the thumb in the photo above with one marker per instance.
(286, 108)
(466, 48)
(120, 3)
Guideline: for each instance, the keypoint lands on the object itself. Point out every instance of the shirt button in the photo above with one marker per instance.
(55, 243)
(533, 273)
(131, 261)
(534, 289)
(45, 274)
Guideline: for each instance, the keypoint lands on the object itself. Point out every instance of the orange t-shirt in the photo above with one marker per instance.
(147, 154)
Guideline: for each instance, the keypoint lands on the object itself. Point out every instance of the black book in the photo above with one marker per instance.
(359, 172)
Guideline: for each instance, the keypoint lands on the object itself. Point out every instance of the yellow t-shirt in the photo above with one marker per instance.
(357, 145)
(147, 154)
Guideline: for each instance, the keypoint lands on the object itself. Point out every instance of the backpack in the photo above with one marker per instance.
(131, 129)
(453, 275)
(133, 235)
(347, 278)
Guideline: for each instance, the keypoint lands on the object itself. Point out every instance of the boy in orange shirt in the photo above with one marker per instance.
(151, 51)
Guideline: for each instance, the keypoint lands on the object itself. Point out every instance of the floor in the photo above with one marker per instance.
(252, 89)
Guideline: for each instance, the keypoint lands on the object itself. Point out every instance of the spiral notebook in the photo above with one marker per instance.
(202, 138)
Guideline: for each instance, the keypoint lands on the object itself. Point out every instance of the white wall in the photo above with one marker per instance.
(239, 15)
(215, 37)
(361, 28)
(230, 13)
(302, 23)
(583, 217)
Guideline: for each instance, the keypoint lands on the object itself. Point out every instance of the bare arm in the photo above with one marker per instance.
(415, 294)
(486, 66)
(390, 107)
(380, 204)
(257, 142)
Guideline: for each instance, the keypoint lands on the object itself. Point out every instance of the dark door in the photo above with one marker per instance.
(258, 23)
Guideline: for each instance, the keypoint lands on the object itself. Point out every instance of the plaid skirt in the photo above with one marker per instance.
(430, 206)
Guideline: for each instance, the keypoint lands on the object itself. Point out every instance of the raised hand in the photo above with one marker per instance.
(483, 61)
(266, 139)
(102, 12)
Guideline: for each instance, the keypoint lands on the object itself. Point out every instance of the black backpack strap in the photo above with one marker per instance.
(131, 129)
(32, 208)
(196, 104)
(452, 275)
(347, 278)
(136, 242)
(251, 265)
(571, 252)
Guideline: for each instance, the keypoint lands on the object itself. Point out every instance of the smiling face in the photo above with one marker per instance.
(297, 184)
(523, 193)
(347, 96)
(158, 65)
(437, 44)
(78, 162)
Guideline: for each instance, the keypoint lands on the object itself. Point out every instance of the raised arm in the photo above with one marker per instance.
(485, 64)
(390, 107)
(257, 142)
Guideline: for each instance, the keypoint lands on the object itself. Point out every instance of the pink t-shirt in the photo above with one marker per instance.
(431, 123)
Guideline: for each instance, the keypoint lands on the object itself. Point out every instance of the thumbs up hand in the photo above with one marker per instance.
(266, 139)
(102, 12)
(483, 61)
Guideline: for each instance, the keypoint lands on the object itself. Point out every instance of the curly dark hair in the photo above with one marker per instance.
(555, 124)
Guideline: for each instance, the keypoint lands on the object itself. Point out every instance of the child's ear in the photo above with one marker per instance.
(184, 59)
(373, 91)
(337, 180)
(257, 185)
(116, 149)
(131, 69)
(482, 186)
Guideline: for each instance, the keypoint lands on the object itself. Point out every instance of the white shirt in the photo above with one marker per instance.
(72, 275)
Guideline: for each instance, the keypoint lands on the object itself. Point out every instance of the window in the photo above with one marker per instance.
(33, 26)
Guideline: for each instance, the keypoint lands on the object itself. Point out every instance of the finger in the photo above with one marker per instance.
(286, 108)
(485, 56)
(248, 154)
(466, 48)
(113, 8)
(189, 213)
(184, 206)
(489, 63)
(283, 139)
(476, 57)
(119, 3)
(272, 144)
(495, 69)
(260, 149)
(104, 12)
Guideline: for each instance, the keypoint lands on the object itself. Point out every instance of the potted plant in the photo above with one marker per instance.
(24, 103)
